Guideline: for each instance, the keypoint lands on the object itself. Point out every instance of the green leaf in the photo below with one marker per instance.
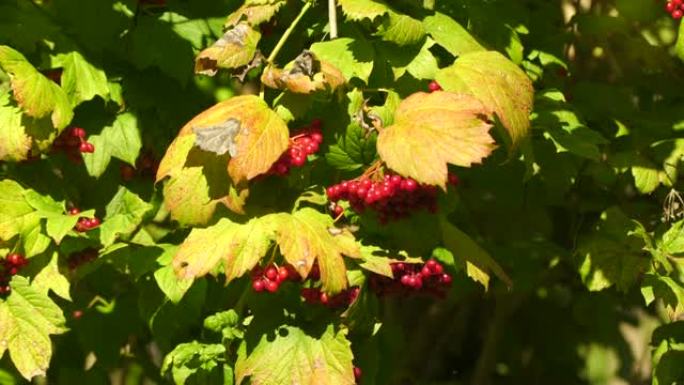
(417, 61)
(667, 290)
(679, 45)
(354, 150)
(17, 215)
(81, 80)
(124, 213)
(236, 48)
(240, 246)
(451, 35)
(378, 264)
(353, 57)
(188, 359)
(612, 253)
(478, 263)
(15, 144)
(362, 9)
(120, 140)
(307, 236)
(564, 127)
(401, 29)
(50, 278)
(498, 83)
(672, 241)
(646, 179)
(37, 95)
(432, 130)
(293, 357)
(28, 318)
(58, 226)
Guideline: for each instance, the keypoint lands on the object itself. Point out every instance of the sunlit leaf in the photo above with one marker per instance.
(433, 130)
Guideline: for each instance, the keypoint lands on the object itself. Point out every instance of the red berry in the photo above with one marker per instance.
(425, 272)
(434, 86)
(271, 273)
(670, 7)
(676, 2)
(4, 290)
(409, 185)
(74, 211)
(14, 271)
(298, 161)
(453, 179)
(78, 132)
(258, 285)
(324, 298)
(283, 273)
(83, 147)
(77, 314)
(677, 14)
(272, 286)
(317, 137)
(445, 279)
(406, 280)
(438, 269)
(337, 210)
(15, 259)
(94, 222)
(357, 373)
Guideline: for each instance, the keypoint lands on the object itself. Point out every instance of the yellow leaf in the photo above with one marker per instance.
(234, 49)
(308, 236)
(432, 130)
(306, 74)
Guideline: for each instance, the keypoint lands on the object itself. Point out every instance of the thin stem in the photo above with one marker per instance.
(287, 33)
(332, 19)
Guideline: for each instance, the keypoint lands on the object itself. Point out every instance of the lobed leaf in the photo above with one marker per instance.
(236, 48)
(293, 357)
(37, 95)
(433, 130)
(501, 86)
(28, 318)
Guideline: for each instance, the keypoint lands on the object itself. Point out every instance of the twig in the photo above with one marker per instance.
(332, 19)
(287, 33)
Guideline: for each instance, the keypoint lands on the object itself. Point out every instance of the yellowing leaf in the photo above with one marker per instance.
(14, 143)
(254, 14)
(431, 130)
(28, 317)
(240, 246)
(198, 181)
(234, 49)
(37, 95)
(362, 9)
(498, 83)
(293, 357)
(306, 74)
(262, 138)
(307, 236)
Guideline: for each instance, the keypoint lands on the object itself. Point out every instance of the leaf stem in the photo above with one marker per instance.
(287, 33)
(332, 19)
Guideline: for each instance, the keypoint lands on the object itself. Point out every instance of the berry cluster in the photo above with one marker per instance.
(10, 266)
(84, 224)
(81, 257)
(315, 296)
(434, 86)
(412, 278)
(393, 197)
(306, 142)
(675, 8)
(271, 277)
(73, 142)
